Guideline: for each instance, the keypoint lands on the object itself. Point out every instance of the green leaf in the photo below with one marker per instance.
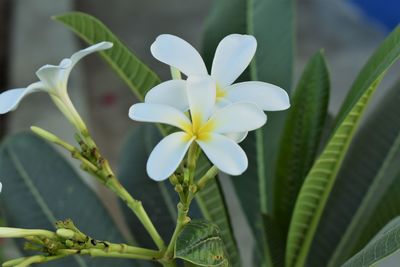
(40, 187)
(132, 71)
(226, 17)
(155, 196)
(373, 69)
(273, 63)
(373, 171)
(212, 204)
(382, 245)
(200, 243)
(320, 180)
(300, 139)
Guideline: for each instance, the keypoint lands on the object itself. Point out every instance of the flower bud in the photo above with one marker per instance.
(65, 233)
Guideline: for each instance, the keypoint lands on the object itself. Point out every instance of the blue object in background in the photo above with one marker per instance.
(386, 12)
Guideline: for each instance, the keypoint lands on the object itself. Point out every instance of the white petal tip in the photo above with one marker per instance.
(131, 112)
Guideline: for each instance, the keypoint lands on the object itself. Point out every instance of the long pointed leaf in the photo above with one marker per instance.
(382, 245)
(272, 63)
(360, 171)
(300, 140)
(131, 70)
(379, 179)
(320, 180)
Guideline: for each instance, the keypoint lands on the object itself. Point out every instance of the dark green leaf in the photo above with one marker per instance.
(273, 63)
(387, 53)
(320, 180)
(131, 70)
(226, 17)
(212, 204)
(373, 172)
(40, 187)
(200, 243)
(300, 140)
(382, 245)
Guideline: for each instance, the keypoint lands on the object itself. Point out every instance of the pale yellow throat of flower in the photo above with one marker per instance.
(198, 129)
(221, 93)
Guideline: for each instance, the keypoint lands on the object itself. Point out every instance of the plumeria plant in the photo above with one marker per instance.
(306, 184)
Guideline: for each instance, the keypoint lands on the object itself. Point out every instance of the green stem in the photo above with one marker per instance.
(182, 220)
(137, 208)
(210, 174)
(24, 262)
(101, 253)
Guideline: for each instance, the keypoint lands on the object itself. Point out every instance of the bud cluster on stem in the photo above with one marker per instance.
(69, 240)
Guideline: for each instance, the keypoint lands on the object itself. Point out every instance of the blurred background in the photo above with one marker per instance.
(348, 31)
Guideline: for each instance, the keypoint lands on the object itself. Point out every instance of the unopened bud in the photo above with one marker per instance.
(193, 188)
(51, 138)
(65, 233)
(178, 188)
(69, 243)
(174, 180)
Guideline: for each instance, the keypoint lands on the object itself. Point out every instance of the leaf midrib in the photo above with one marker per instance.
(35, 193)
(368, 204)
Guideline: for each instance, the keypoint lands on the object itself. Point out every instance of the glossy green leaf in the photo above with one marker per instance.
(300, 139)
(366, 168)
(200, 243)
(321, 178)
(382, 245)
(131, 70)
(40, 187)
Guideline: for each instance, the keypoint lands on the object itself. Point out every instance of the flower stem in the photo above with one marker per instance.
(137, 208)
(182, 220)
(210, 174)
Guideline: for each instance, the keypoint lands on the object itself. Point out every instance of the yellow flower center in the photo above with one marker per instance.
(198, 129)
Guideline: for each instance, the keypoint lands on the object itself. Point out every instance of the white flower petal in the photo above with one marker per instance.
(160, 114)
(89, 50)
(56, 77)
(238, 117)
(201, 94)
(166, 156)
(178, 53)
(265, 95)
(237, 137)
(232, 57)
(10, 99)
(171, 93)
(224, 153)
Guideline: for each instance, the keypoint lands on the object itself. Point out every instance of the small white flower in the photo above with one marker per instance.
(232, 57)
(205, 126)
(53, 80)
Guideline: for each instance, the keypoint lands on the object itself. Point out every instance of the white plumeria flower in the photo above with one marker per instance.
(205, 126)
(234, 53)
(53, 80)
